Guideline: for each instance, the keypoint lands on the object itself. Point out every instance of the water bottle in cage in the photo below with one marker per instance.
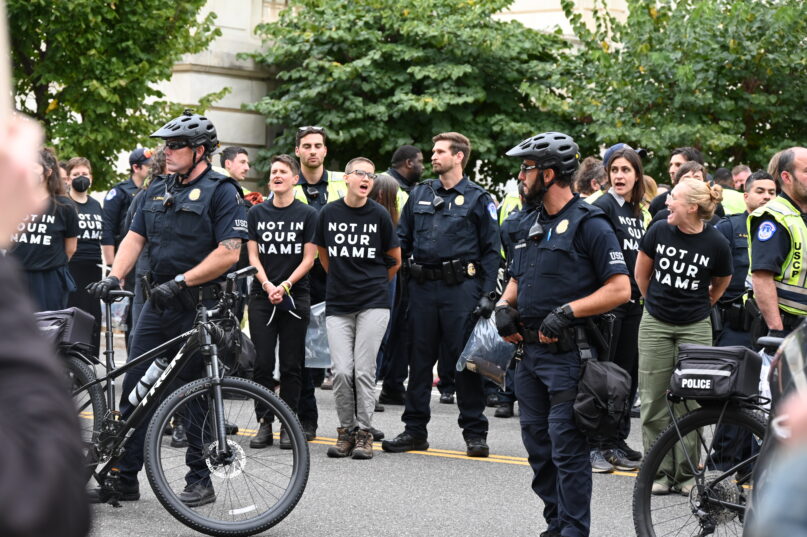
(149, 378)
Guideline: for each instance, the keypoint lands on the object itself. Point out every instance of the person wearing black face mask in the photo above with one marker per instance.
(85, 265)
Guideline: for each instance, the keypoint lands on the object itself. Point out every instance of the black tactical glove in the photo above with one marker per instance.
(778, 333)
(557, 320)
(485, 306)
(171, 293)
(507, 319)
(101, 289)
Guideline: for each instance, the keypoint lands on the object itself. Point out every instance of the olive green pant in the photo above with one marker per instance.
(658, 352)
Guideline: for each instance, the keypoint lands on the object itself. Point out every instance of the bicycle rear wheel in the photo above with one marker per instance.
(255, 488)
(90, 405)
(673, 496)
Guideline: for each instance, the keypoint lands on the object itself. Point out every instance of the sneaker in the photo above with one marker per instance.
(660, 489)
(364, 445)
(197, 495)
(130, 493)
(631, 454)
(378, 407)
(263, 438)
(345, 442)
(285, 441)
(504, 410)
(447, 398)
(476, 447)
(388, 398)
(492, 400)
(404, 442)
(598, 463)
(178, 437)
(377, 434)
(619, 460)
(310, 431)
(327, 384)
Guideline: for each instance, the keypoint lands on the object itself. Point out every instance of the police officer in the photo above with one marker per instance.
(777, 235)
(567, 266)
(192, 222)
(731, 306)
(449, 229)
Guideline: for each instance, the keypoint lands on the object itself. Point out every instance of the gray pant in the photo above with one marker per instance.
(354, 340)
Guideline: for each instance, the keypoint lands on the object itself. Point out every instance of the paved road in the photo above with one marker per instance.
(439, 493)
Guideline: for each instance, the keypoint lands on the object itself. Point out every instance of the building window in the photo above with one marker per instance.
(272, 9)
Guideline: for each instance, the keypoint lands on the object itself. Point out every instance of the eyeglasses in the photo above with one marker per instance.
(524, 168)
(315, 128)
(362, 173)
(177, 144)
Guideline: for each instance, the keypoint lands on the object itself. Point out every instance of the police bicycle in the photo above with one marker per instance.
(255, 488)
(698, 475)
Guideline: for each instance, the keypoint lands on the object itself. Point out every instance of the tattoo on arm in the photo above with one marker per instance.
(231, 244)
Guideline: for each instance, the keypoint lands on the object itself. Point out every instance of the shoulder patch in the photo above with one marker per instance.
(766, 230)
(111, 194)
(492, 210)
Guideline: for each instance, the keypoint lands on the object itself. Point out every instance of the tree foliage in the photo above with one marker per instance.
(87, 69)
(382, 73)
(722, 75)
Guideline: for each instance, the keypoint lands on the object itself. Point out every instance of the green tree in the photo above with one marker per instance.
(382, 73)
(87, 70)
(721, 75)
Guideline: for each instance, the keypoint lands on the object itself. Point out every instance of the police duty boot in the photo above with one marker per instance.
(345, 442)
(197, 495)
(263, 438)
(178, 437)
(364, 445)
(404, 442)
(631, 454)
(377, 434)
(447, 398)
(285, 441)
(504, 410)
(126, 493)
(476, 447)
(309, 430)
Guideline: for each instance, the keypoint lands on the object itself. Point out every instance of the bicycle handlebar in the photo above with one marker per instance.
(238, 275)
(770, 342)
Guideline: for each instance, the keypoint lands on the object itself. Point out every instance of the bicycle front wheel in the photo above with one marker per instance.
(698, 483)
(255, 488)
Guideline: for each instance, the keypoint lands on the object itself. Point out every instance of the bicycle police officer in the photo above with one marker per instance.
(567, 266)
(449, 227)
(193, 222)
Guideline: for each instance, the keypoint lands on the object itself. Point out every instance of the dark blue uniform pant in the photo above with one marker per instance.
(441, 321)
(558, 451)
(155, 328)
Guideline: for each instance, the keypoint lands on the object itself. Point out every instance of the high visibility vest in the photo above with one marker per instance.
(336, 187)
(594, 197)
(510, 203)
(733, 202)
(401, 200)
(791, 282)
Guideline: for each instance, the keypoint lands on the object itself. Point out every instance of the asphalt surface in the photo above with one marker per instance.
(438, 493)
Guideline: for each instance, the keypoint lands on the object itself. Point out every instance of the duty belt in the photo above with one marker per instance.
(452, 272)
(199, 293)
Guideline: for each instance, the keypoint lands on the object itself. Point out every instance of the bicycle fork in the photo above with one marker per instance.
(210, 352)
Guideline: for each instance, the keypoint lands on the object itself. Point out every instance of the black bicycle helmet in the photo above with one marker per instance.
(550, 150)
(198, 130)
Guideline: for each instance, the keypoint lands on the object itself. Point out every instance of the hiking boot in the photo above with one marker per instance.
(598, 463)
(388, 398)
(631, 454)
(309, 430)
(476, 447)
(263, 438)
(345, 443)
(126, 493)
(504, 410)
(377, 434)
(620, 461)
(197, 495)
(285, 441)
(404, 442)
(178, 437)
(364, 445)
(492, 400)
(447, 398)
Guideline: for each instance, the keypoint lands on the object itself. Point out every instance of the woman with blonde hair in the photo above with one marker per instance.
(682, 269)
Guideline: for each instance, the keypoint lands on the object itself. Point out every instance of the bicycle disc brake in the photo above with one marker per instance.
(227, 466)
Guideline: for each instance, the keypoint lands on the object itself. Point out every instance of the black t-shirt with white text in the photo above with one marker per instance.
(629, 230)
(38, 242)
(281, 234)
(683, 267)
(356, 240)
(90, 222)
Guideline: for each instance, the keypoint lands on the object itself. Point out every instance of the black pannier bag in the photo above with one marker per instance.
(602, 397)
(72, 326)
(712, 373)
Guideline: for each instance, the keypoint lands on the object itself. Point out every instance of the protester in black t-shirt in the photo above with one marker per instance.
(85, 265)
(622, 203)
(281, 235)
(43, 243)
(360, 251)
(683, 268)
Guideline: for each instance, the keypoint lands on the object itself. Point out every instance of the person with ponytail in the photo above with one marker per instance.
(683, 267)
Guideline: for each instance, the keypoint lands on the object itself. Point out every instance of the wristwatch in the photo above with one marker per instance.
(180, 281)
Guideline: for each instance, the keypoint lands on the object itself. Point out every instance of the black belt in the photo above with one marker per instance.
(199, 293)
(452, 272)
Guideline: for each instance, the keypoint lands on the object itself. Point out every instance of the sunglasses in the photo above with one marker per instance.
(177, 144)
(315, 128)
(362, 173)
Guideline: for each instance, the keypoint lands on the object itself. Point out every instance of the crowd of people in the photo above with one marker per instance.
(406, 267)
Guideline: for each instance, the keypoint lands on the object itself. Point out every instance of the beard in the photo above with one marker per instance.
(533, 195)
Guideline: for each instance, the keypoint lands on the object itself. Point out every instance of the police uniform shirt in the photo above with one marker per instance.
(576, 255)
(281, 234)
(90, 224)
(770, 243)
(629, 230)
(38, 243)
(116, 203)
(181, 244)
(734, 229)
(465, 227)
(356, 239)
(683, 267)
(510, 234)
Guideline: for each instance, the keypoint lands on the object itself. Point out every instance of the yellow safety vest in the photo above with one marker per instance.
(510, 203)
(594, 197)
(336, 187)
(733, 202)
(791, 282)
